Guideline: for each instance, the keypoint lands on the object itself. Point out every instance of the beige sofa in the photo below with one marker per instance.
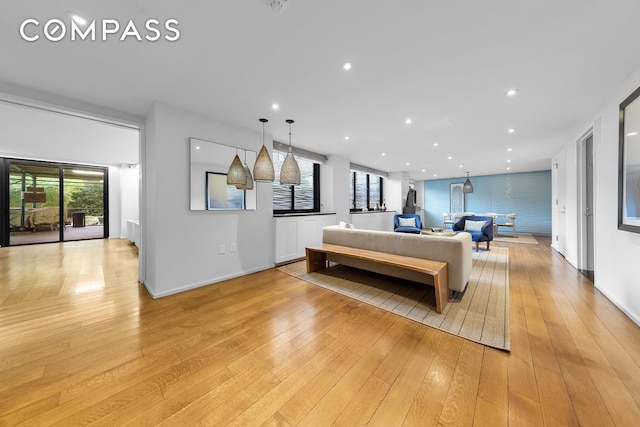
(454, 250)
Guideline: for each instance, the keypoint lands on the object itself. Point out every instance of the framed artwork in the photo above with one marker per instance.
(629, 164)
(220, 195)
(456, 197)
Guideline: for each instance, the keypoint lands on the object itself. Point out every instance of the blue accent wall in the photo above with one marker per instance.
(527, 194)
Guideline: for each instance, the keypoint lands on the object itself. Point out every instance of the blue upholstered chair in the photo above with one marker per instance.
(407, 223)
(480, 228)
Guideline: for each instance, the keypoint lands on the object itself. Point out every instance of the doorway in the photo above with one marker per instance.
(75, 153)
(586, 231)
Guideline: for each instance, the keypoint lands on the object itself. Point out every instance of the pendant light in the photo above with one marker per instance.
(249, 183)
(290, 172)
(236, 174)
(263, 167)
(467, 187)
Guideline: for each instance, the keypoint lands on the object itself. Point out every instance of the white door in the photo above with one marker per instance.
(559, 202)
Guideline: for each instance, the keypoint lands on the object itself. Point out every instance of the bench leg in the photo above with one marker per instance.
(315, 260)
(441, 283)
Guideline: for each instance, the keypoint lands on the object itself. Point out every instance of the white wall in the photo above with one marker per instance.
(616, 252)
(181, 247)
(116, 223)
(334, 187)
(396, 193)
(129, 198)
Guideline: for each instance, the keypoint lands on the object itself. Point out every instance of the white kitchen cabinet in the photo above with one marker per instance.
(295, 233)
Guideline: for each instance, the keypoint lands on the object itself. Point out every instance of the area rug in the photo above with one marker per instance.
(527, 239)
(479, 314)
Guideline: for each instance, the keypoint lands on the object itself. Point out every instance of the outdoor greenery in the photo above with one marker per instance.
(80, 195)
(88, 199)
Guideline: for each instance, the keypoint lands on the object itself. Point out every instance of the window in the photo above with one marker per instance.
(297, 198)
(366, 190)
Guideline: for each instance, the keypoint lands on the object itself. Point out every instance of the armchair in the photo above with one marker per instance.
(407, 223)
(480, 228)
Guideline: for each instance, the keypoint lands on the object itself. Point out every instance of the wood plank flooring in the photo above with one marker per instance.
(81, 342)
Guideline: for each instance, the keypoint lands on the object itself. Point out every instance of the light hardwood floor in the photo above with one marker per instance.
(81, 342)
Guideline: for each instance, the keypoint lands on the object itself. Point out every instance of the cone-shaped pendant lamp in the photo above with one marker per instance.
(236, 174)
(290, 171)
(467, 187)
(263, 167)
(249, 183)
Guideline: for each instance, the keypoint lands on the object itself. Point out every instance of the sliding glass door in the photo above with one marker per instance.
(84, 203)
(34, 203)
(50, 202)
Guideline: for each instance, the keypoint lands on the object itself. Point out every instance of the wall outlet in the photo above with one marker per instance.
(232, 248)
(222, 249)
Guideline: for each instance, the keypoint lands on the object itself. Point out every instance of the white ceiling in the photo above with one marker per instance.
(446, 65)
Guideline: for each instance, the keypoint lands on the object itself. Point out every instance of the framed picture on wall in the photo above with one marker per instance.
(220, 195)
(456, 197)
(629, 164)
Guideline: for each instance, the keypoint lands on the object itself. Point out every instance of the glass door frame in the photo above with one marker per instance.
(4, 197)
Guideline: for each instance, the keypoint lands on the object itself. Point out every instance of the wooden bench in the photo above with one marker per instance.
(317, 260)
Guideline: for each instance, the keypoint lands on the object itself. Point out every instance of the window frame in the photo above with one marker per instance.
(354, 187)
(316, 195)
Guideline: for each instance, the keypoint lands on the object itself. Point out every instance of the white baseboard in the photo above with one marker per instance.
(205, 283)
(634, 318)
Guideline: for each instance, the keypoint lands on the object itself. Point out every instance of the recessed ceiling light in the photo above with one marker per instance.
(435, 174)
(632, 134)
(346, 66)
(509, 161)
(449, 158)
(407, 163)
(512, 92)
(275, 106)
(435, 144)
(384, 154)
(197, 147)
(512, 130)
(461, 166)
(424, 170)
(408, 121)
(508, 169)
(509, 149)
(346, 137)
